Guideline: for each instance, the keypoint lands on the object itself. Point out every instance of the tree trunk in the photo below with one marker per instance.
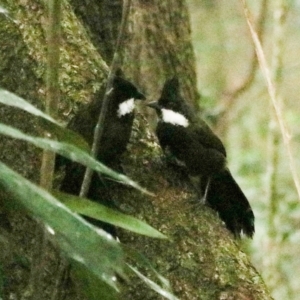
(22, 71)
(102, 20)
(157, 44)
(202, 260)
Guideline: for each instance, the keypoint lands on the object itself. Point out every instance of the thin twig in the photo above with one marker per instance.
(116, 62)
(260, 28)
(272, 92)
(53, 40)
(63, 274)
(48, 158)
(279, 17)
(272, 242)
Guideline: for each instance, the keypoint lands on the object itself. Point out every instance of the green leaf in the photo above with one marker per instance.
(144, 262)
(71, 152)
(108, 215)
(48, 123)
(89, 286)
(65, 135)
(154, 286)
(84, 243)
(11, 99)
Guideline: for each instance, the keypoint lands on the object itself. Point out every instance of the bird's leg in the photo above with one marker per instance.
(196, 181)
(203, 199)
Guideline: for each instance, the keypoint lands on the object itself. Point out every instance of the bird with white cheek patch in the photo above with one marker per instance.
(173, 117)
(195, 146)
(116, 133)
(126, 107)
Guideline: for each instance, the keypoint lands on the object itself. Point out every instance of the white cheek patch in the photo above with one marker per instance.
(126, 107)
(175, 118)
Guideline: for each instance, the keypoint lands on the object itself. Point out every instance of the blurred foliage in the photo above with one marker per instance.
(98, 258)
(106, 214)
(223, 49)
(76, 238)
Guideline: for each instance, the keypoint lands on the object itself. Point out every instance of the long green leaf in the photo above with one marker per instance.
(48, 123)
(70, 152)
(11, 99)
(88, 245)
(154, 286)
(142, 261)
(64, 135)
(90, 286)
(108, 215)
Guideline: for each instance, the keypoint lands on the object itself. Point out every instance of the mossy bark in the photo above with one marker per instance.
(202, 260)
(22, 71)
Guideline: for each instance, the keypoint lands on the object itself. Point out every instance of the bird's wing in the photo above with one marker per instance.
(204, 135)
(205, 154)
(193, 147)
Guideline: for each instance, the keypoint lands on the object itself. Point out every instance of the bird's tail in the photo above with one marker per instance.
(225, 196)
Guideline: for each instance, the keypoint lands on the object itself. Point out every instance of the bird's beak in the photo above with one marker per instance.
(154, 105)
(139, 96)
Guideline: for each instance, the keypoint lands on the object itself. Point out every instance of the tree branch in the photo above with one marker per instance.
(48, 157)
(116, 62)
(274, 99)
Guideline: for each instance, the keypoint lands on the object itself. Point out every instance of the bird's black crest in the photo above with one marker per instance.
(119, 73)
(171, 90)
(171, 99)
(125, 88)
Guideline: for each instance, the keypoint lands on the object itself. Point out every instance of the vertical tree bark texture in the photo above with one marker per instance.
(157, 45)
(101, 19)
(23, 56)
(17, 75)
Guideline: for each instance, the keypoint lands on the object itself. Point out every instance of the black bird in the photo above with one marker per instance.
(116, 134)
(194, 146)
